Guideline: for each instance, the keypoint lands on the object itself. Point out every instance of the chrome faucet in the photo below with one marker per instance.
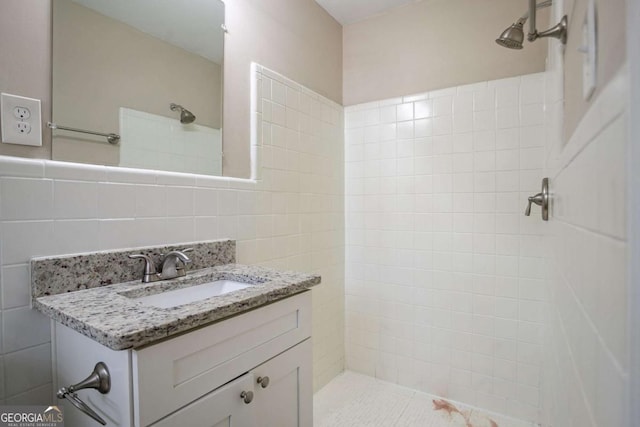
(173, 265)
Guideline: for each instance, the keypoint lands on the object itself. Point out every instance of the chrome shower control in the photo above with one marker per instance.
(247, 396)
(541, 199)
(263, 381)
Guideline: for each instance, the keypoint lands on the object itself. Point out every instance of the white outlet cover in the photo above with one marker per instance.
(11, 133)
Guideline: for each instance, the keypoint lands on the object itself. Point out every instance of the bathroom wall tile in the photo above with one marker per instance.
(16, 287)
(404, 112)
(23, 240)
(508, 139)
(76, 236)
(507, 92)
(532, 89)
(39, 394)
(406, 130)
(150, 201)
(180, 201)
(423, 109)
(205, 202)
(117, 233)
(532, 115)
(25, 198)
(21, 167)
(443, 106)
(484, 99)
(484, 120)
(22, 328)
(81, 172)
(131, 176)
(27, 369)
(507, 118)
(116, 200)
(484, 141)
(75, 199)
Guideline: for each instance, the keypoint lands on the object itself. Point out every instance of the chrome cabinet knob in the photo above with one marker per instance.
(541, 199)
(246, 396)
(263, 381)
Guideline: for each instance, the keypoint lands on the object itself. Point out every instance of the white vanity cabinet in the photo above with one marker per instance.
(284, 402)
(253, 369)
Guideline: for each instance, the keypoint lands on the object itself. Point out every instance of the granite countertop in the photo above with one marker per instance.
(111, 316)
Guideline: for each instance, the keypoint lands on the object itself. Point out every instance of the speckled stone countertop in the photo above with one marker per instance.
(70, 273)
(111, 315)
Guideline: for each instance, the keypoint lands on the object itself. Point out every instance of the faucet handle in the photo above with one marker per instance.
(150, 273)
(541, 199)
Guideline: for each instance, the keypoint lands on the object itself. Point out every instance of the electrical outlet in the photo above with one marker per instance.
(23, 127)
(21, 113)
(21, 120)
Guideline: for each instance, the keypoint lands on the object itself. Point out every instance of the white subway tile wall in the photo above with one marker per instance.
(586, 364)
(444, 273)
(289, 218)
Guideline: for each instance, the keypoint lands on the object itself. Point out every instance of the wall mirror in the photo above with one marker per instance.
(149, 71)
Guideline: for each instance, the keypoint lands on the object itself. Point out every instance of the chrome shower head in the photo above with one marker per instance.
(513, 36)
(186, 116)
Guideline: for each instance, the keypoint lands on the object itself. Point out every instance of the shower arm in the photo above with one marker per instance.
(527, 14)
(533, 6)
(559, 31)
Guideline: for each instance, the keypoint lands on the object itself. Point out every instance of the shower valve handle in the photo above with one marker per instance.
(541, 199)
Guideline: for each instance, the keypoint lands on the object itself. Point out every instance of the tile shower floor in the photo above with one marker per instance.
(353, 400)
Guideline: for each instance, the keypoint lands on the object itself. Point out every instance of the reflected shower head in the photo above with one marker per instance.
(186, 116)
(513, 36)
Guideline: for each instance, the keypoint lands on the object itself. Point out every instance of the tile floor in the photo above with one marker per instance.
(355, 400)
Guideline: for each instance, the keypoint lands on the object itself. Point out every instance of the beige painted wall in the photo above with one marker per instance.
(611, 23)
(102, 64)
(296, 38)
(25, 62)
(434, 44)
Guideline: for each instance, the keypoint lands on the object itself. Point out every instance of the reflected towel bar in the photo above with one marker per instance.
(112, 138)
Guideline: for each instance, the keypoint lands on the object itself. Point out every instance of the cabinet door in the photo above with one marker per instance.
(223, 407)
(287, 399)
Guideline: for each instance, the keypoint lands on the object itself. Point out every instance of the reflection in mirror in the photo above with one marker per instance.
(147, 70)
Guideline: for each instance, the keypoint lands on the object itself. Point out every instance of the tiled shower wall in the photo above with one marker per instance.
(444, 272)
(586, 364)
(291, 217)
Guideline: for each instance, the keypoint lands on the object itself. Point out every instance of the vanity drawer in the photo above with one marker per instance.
(174, 373)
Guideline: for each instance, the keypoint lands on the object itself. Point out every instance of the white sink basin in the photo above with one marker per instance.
(191, 294)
